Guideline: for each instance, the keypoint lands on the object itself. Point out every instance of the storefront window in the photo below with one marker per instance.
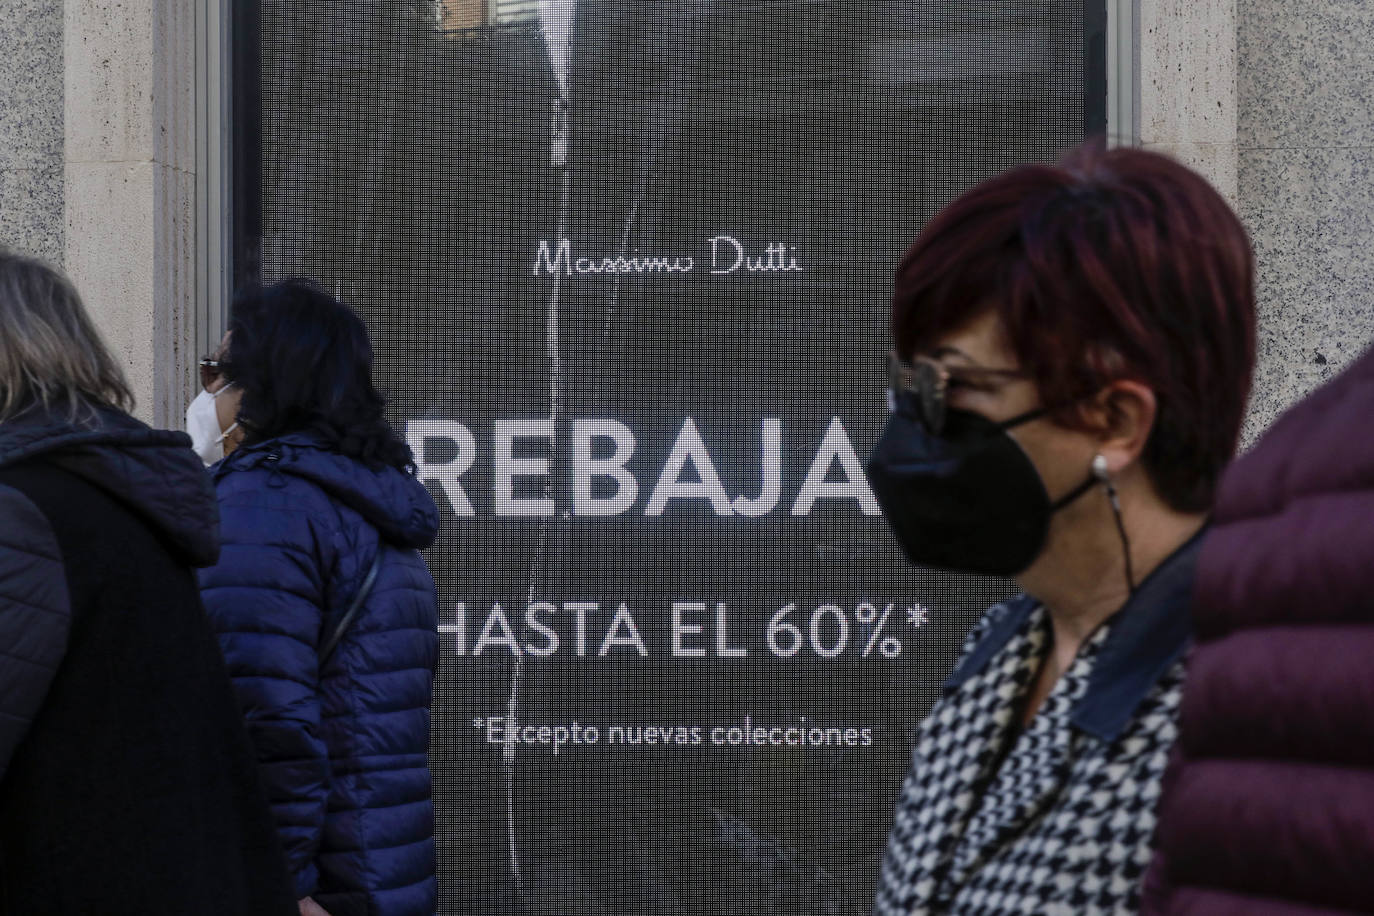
(627, 266)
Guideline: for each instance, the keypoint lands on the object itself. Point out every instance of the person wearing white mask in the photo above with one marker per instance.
(212, 417)
(325, 610)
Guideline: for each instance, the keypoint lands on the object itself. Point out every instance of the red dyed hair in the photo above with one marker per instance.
(1109, 264)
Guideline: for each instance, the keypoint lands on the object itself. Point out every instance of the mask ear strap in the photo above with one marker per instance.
(1073, 494)
(1101, 473)
(1034, 413)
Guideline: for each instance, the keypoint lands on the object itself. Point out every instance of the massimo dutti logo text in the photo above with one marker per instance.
(720, 254)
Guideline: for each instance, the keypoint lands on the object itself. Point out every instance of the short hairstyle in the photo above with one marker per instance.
(50, 352)
(304, 363)
(1111, 264)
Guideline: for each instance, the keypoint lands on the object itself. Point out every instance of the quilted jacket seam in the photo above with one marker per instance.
(29, 604)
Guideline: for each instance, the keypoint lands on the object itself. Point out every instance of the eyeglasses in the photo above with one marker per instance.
(921, 387)
(210, 369)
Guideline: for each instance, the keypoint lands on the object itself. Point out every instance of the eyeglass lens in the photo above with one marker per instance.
(929, 384)
(920, 385)
(209, 371)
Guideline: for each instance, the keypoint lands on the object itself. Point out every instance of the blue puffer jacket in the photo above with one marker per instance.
(342, 748)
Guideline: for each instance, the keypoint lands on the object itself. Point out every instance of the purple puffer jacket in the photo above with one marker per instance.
(1268, 807)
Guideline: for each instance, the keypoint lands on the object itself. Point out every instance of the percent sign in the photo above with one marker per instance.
(868, 615)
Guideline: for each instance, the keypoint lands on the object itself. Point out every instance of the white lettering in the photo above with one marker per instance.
(580, 609)
(723, 647)
(586, 468)
(688, 447)
(733, 243)
(835, 446)
(728, 255)
(508, 467)
(600, 481)
(770, 462)
(553, 265)
(496, 619)
(533, 622)
(777, 257)
(613, 638)
(420, 434)
(681, 629)
(459, 628)
(547, 262)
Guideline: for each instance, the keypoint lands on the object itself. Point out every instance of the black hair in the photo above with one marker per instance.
(304, 363)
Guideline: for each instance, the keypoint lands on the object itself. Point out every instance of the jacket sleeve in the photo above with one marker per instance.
(35, 616)
(265, 599)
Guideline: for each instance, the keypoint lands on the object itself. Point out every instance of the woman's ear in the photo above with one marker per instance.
(1127, 410)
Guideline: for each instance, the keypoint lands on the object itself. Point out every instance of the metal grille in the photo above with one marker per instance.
(510, 199)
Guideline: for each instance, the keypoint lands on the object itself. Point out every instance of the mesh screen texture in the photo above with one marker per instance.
(626, 267)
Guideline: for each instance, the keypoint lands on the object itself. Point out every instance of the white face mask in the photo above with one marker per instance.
(202, 422)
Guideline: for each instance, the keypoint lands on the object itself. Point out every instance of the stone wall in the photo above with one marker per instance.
(1306, 188)
(31, 128)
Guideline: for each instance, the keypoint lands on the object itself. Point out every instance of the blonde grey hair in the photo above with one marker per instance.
(50, 352)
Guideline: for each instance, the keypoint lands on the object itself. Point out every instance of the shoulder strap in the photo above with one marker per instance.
(363, 590)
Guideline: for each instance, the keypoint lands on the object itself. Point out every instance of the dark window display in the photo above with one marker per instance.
(627, 265)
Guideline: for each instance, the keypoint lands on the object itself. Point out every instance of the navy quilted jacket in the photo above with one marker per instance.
(342, 747)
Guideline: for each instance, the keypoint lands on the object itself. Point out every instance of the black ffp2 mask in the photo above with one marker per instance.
(969, 499)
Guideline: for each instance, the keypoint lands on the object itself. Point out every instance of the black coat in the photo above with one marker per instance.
(127, 784)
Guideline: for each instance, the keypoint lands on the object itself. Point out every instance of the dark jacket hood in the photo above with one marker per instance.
(392, 501)
(151, 471)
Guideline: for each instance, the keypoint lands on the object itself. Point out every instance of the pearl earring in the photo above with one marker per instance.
(1104, 475)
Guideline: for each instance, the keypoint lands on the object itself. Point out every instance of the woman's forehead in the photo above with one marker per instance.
(982, 341)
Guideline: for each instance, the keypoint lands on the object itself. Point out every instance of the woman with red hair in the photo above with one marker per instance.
(1073, 349)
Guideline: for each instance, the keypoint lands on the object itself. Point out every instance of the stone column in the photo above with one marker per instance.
(130, 187)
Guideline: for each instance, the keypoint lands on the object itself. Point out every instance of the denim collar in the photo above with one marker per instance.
(1148, 634)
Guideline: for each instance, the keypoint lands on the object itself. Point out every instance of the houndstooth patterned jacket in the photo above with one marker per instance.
(1056, 818)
